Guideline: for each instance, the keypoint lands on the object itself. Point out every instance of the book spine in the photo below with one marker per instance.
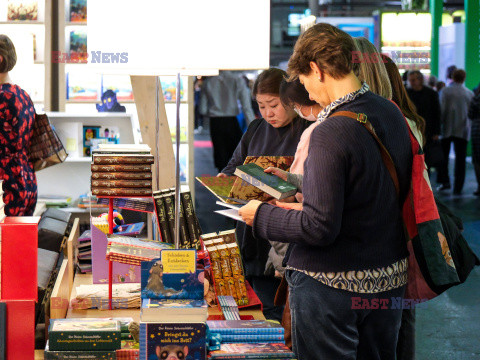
(122, 175)
(85, 340)
(170, 212)
(248, 331)
(162, 219)
(184, 237)
(241, 338)
(121, 192)
(189, 216)
(121, 168)
(122, 183)
(120, 160)
(80, 355)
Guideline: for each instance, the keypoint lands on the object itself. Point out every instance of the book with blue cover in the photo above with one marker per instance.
(173, 341)
(242, 338)
(252, 351)
(232, 327)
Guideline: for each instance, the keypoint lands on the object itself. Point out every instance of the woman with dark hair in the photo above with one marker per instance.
(347, 254)
(17, 115)
(277, 133)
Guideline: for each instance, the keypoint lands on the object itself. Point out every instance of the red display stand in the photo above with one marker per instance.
(19, 244)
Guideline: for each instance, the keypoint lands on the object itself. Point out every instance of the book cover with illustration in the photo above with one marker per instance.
(78, 10)
(22, 10)
(252, 351)
(172, 341)
(231, 327)
(243, 190)
(78, 46)
(84, 334)
(173, 276)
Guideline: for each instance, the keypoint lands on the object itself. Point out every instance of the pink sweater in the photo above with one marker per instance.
(301, 154)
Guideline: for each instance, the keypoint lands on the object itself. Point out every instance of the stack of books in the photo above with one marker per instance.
(190, 230)
(95, 296)
(85, 252)
(252, 351)
(130, 250)
(247, 331)
(80, 338)
(226, 264)
(122, 170)
(174, 312)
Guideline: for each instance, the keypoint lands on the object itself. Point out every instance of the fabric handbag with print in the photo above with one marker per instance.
(46, 149)
(439, 256)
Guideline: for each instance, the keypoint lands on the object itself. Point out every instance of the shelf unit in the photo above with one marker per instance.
(32, 40)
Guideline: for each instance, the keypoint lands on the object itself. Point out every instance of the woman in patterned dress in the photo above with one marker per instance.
(17, 114)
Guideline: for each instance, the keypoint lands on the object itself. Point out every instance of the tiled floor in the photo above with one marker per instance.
(448, 327)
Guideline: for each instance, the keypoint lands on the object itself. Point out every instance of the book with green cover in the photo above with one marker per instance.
(79, 354)
(271, 184)
(84, 334)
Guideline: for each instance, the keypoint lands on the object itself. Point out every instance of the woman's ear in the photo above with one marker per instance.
(316, 71)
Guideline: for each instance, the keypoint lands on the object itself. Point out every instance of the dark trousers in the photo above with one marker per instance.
(406, 336)
(266, 287)
(226, 134)
(328, 323)
(460, 148)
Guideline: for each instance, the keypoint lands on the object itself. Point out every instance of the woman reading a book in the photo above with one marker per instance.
(17, 114)
(347, 257)
(276, 134)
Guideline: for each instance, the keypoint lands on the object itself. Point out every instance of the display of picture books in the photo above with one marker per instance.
(95, 296)
(169, 87)
(78, 10)
(252, 351)
(119, 84)
(82, 86)
(22, 10)
(172, 341)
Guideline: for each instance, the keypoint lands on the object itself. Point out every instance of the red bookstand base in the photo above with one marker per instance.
(20, 341)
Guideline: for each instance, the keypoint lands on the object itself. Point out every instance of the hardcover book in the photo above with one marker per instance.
(121, 191)
(249, 338)
(220, 187)
(252, 351)
(108, 159)
(252, 327)
(78, 10)
(245, 191)
(174, 310)
(78, 46)
(193, 226)
(185, 341)
(79, 354)
(84, 334)
(121, 183)
(162, 217)
(121, 168)
(271, 184)
(132, 250)
(174, 276)
(122, 176)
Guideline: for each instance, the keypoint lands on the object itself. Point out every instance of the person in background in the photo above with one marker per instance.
(474, 115)
(449, 74)
(350, 229)
(455, 101)
(219, 101)
(439, 86)
(369, 68)
(197, 89)
(432, 82)
(427, 104)
(406, 335)
(277, 133)
(17, 115)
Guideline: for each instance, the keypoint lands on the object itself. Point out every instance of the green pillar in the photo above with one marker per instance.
(472, 43)
(436, 10)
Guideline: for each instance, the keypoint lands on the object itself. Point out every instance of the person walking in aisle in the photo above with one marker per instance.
(277, 133)
(427, 105)
(17, 115)
(219, 101)
(474, 115)
(348, 240)
(455, 101)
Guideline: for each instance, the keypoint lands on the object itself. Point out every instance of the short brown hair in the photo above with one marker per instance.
(459, 76)
(268, 82)
(7, 51)
(329, 47)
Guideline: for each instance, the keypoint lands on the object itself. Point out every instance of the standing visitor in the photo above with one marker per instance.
(474, 115)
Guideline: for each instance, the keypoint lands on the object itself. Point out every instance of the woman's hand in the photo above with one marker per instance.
(277, 172)
(222, 175)
(290, 206)
(248, 211)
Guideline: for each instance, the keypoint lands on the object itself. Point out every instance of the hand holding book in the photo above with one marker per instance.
(277, 172)
(248, 211)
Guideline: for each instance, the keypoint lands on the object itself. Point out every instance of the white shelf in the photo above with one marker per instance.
(77, 159)
(73, 23)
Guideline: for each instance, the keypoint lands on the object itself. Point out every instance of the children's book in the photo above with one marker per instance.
(130, 229)
(271, 184)
(174, 310)
(185, 341)
(220, 187)
(79, 354)
(252, 351)
(78, 10)
(84, 334)
(22, 10)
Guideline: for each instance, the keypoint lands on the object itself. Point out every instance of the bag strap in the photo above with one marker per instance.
(387, 159)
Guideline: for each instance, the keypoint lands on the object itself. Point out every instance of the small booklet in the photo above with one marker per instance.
(231, 212)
